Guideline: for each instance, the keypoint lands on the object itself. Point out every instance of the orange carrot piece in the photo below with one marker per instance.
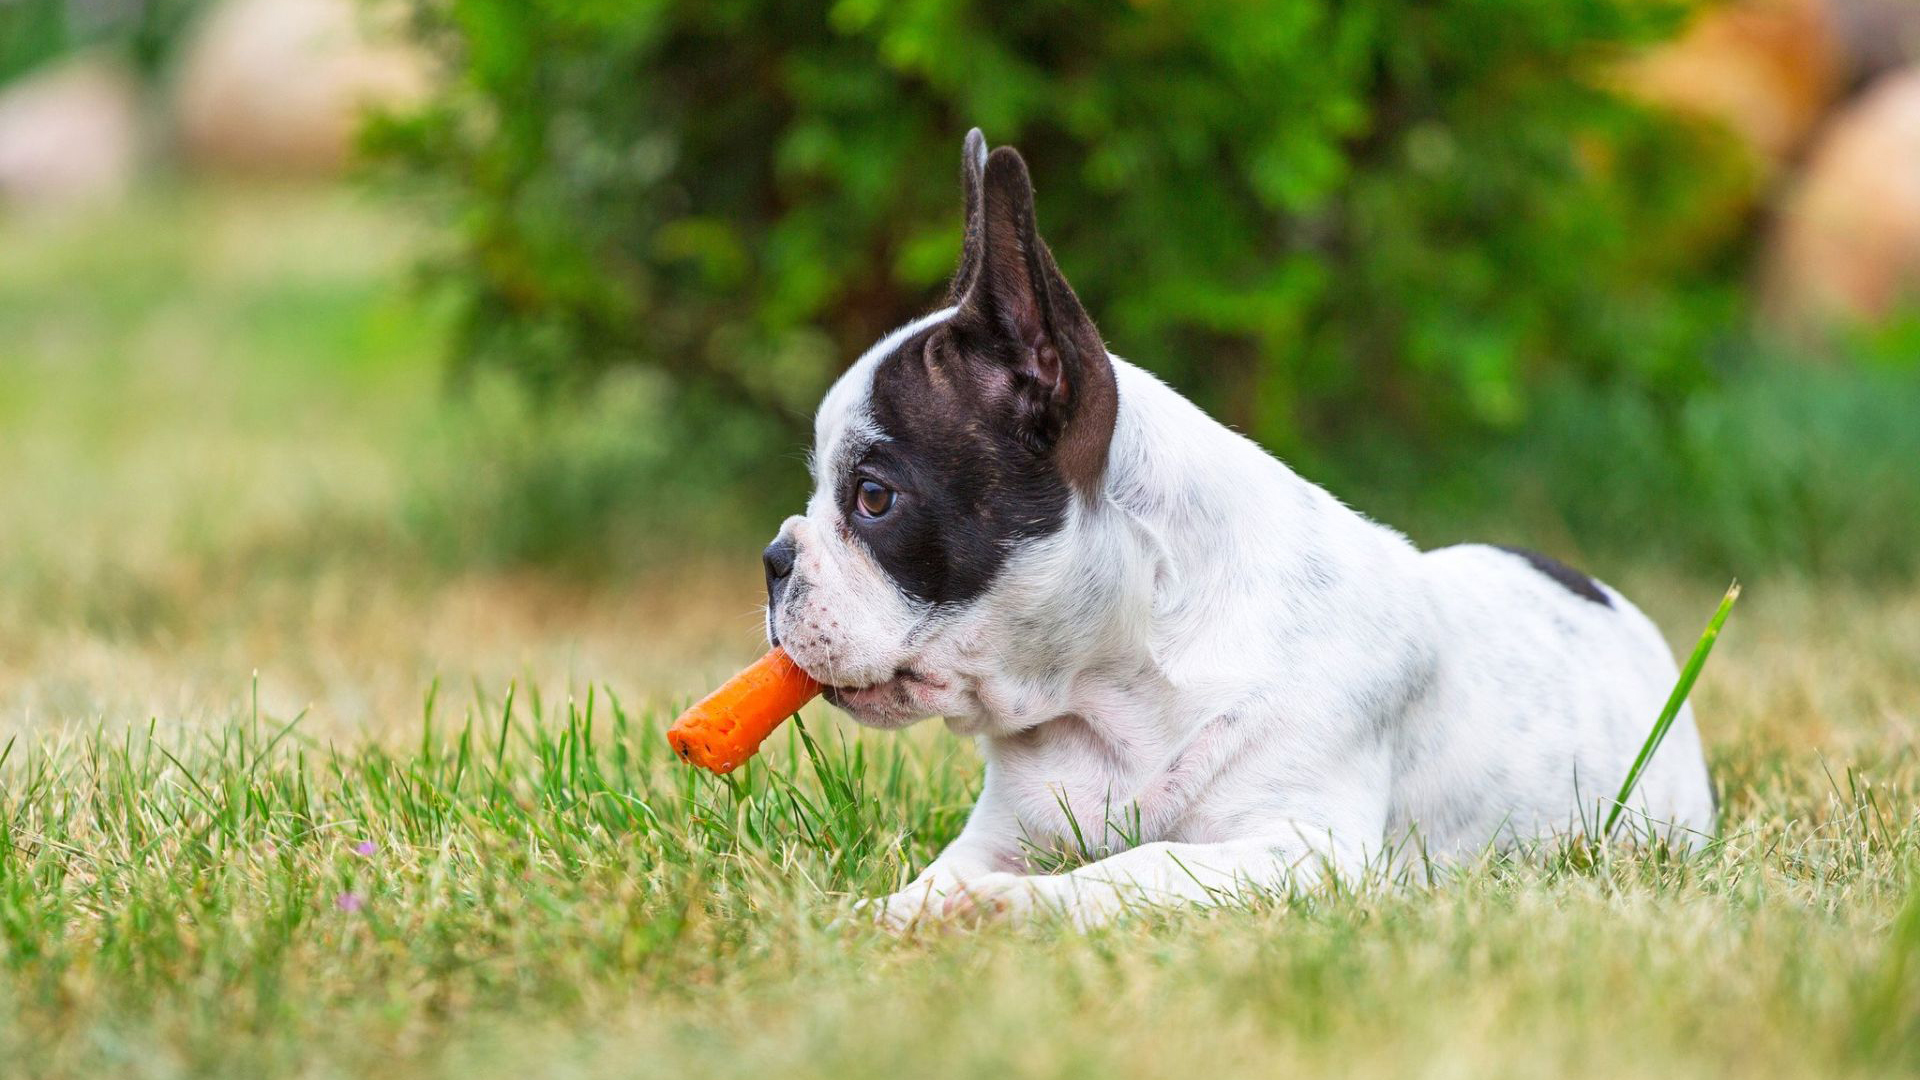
(725, 728)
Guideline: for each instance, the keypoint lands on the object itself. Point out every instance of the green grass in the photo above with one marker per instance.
(543, 888)
(1682, 688)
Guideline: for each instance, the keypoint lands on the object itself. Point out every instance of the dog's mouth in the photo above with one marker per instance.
(900, 688)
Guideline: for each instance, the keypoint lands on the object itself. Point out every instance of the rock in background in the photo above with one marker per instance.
(279, 86)
(1826, 95)
(69, 136)
(1846, 246)
(1767, 69)
(1877, 35)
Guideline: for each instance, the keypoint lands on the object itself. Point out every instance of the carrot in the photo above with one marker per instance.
(725, 728)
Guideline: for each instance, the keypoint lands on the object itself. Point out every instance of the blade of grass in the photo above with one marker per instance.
(1681, 689)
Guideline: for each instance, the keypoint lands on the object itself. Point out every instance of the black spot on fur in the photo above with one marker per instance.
(995, 419)
(969, 484)
(1570, 579)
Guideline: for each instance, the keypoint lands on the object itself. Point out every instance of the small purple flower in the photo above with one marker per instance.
(365, 848)
(349, 902)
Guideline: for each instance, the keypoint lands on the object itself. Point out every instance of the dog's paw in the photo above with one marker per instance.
(993, 897)
(918, 903)
(969, 902)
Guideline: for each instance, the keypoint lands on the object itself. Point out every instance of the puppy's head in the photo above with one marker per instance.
(953, 450)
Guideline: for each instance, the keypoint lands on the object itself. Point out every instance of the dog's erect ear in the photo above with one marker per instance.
(1065, 400)
(973, 165)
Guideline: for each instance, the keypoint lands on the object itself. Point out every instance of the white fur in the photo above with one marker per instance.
(1229, 680)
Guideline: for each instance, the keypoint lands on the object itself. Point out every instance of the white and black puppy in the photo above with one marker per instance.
(1168, 645)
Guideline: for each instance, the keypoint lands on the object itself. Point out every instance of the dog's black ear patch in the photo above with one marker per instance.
(969, 491)
(992, 419)
(1572, 580)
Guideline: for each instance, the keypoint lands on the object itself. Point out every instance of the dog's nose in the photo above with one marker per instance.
(778, 559)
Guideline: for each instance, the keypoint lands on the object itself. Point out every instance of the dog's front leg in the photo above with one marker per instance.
(989, 846)
(1164, 875)
(927, 897)
(1320, 805)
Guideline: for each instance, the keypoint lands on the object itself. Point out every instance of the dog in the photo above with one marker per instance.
(1174, 653)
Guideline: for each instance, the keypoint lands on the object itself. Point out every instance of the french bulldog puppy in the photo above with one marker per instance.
(1168, 646)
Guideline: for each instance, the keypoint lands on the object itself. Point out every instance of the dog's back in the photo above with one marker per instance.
(1547, 685)
(1528, 687)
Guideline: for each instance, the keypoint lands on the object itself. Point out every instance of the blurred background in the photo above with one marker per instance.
(361, 345)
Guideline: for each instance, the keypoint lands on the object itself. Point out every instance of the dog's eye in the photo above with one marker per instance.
(873, 498)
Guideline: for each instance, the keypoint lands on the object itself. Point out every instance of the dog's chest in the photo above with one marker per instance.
(1077, 791)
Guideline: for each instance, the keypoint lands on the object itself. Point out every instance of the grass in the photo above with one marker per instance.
(266, 809)
(1676, 700)
(539, 886)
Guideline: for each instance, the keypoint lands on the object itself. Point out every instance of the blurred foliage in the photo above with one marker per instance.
(1298, 212)
(601, 488)
(221, 387)
(1775, 465)
(146, 32)
(1781, 463)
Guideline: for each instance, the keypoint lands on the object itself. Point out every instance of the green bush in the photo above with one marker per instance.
(1298, 211)
(1780, 464)
(33, 32)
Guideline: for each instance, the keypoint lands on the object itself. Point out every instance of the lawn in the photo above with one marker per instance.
(301, 780)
